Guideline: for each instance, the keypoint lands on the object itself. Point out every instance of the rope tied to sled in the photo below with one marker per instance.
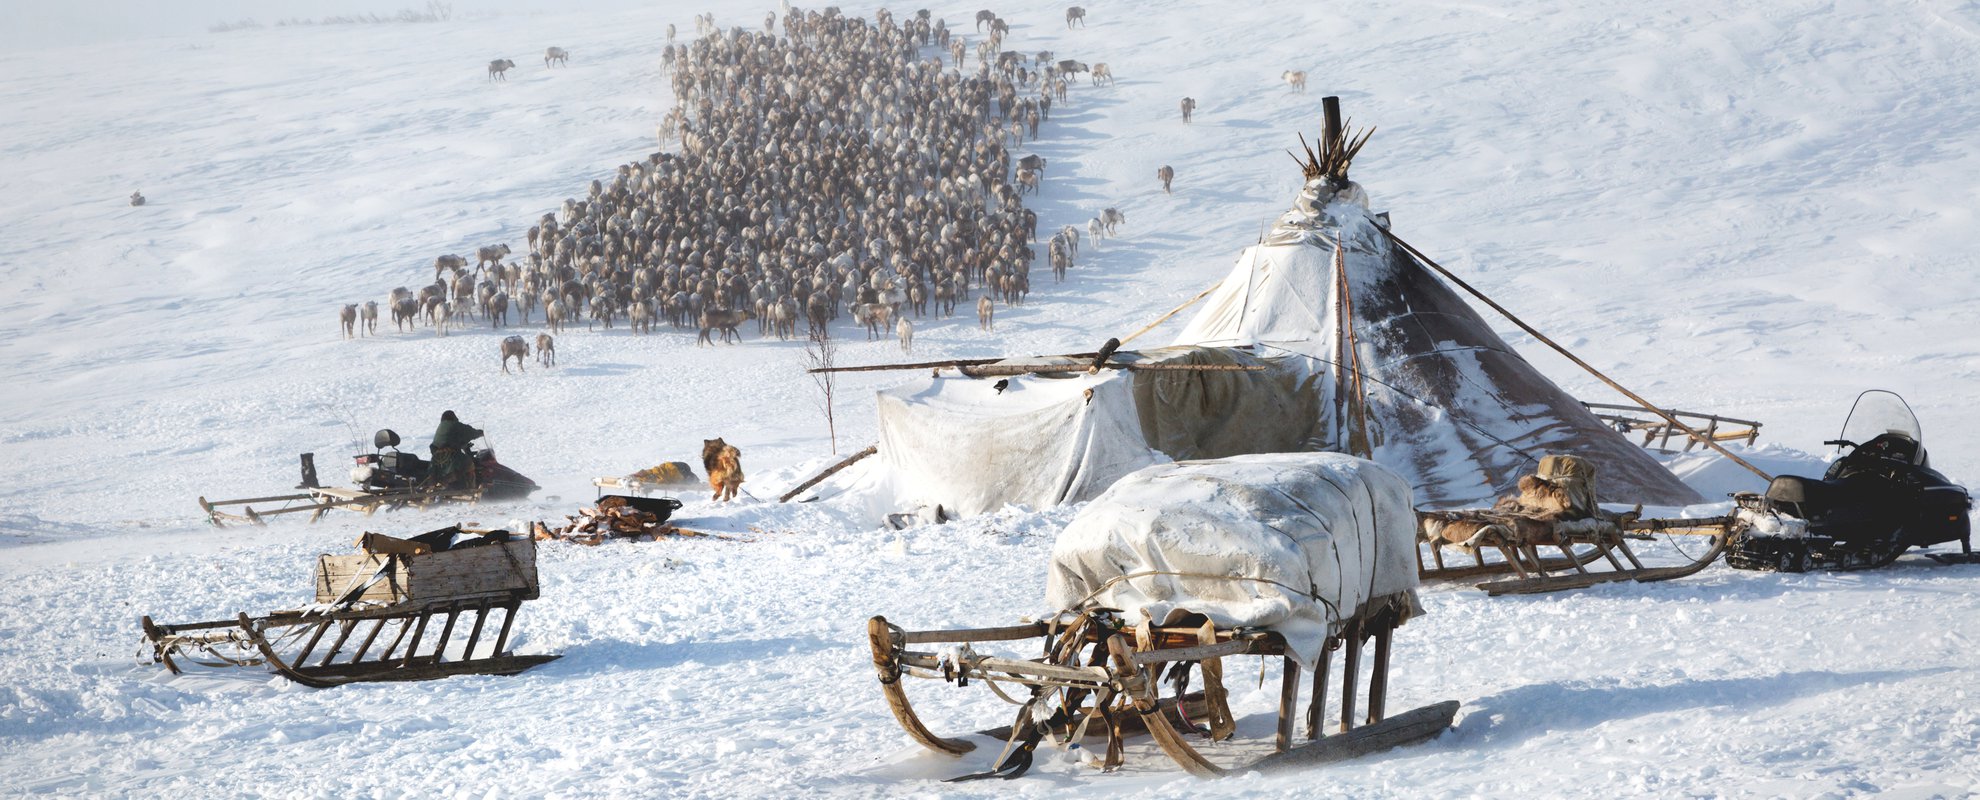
(1332, 609)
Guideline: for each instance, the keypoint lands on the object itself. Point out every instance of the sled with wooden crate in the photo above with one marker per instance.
(1556, 511)
(1178, 568)
(437, 594)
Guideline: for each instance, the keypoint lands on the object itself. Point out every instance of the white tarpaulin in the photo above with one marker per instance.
(962, 444)
(1296, 543)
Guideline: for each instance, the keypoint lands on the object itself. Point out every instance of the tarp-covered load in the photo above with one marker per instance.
(1295, 543)
(1449, 404)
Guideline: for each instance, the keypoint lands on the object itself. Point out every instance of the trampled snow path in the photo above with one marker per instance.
(1751, 211)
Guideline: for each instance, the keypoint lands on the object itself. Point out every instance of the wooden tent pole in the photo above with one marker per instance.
(1360, 398)
(997, 370)
(1172, 312)
(829, 472)
(1647, 405)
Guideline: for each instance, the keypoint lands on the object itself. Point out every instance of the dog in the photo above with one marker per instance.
(723, 462)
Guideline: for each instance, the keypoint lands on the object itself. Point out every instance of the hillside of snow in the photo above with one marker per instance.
(1751, 210)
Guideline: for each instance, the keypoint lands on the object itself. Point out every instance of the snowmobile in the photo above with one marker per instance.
(1879, 498)
(395, 469)
(385, 478)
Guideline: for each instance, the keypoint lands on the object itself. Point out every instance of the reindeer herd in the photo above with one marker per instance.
(841, 168)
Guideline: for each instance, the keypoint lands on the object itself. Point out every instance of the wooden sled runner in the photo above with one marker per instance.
(399, 591)
(322, 499)
(1556, 511)
(1098, 677)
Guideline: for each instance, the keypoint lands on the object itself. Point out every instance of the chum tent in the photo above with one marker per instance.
(1447, 403)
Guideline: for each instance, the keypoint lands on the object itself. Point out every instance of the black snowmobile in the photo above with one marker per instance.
(390, 468)
(1879, 498)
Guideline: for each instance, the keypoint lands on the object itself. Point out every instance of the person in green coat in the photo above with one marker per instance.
(451, 467)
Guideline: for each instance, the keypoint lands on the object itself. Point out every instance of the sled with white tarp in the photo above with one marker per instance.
(1174, 569)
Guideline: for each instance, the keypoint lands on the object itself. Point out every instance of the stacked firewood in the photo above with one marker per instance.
(612, 517)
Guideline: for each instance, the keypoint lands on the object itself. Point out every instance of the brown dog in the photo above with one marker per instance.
(723, 463)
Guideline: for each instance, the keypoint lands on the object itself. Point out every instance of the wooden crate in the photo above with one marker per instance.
(496, 570)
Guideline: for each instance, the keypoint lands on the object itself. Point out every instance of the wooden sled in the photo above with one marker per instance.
(373, 602)
(1521, 542)
(1098, 677)
(319, 500)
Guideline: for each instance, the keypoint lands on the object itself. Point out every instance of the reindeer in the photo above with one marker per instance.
(1188, 107)
(496, 308)
(443, 314)
(1096, 229)
(723, 320)
(985, 310)
(546, 350)
(1027, 180)
(986, 15)
(404, 313)
(499, 68)
(450, 261)
(370, 316)
(1165, 175)
(905, 330)
(1112, 218)
(1075, 14)
(137, 198)
(556, 55)
(1102, 72)
(514, 347)
(347, 316)
(1295, 79)
(491, 254)
(554, 315)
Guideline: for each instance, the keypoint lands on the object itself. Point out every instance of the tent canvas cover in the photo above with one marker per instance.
(1447, 404)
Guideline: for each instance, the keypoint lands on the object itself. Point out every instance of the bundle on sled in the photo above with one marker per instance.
(660, 477)
(616, 516)
(1177, 567)
(368, 604)
(386, 478)
(1556, 511)
(1879, 499)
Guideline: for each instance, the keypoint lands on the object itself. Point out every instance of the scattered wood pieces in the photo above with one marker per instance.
(612, 518)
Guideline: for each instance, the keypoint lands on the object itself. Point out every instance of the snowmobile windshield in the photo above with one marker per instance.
(1878, 412)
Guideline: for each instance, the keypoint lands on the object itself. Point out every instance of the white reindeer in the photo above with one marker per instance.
(1295, 79)
(906, 331)
(556, 55)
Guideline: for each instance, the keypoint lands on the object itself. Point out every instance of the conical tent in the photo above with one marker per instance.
(1441, 398)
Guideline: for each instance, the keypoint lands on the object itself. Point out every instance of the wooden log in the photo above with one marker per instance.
(829, 472)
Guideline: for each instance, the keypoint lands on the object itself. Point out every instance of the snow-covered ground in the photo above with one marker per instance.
(1755, 210)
